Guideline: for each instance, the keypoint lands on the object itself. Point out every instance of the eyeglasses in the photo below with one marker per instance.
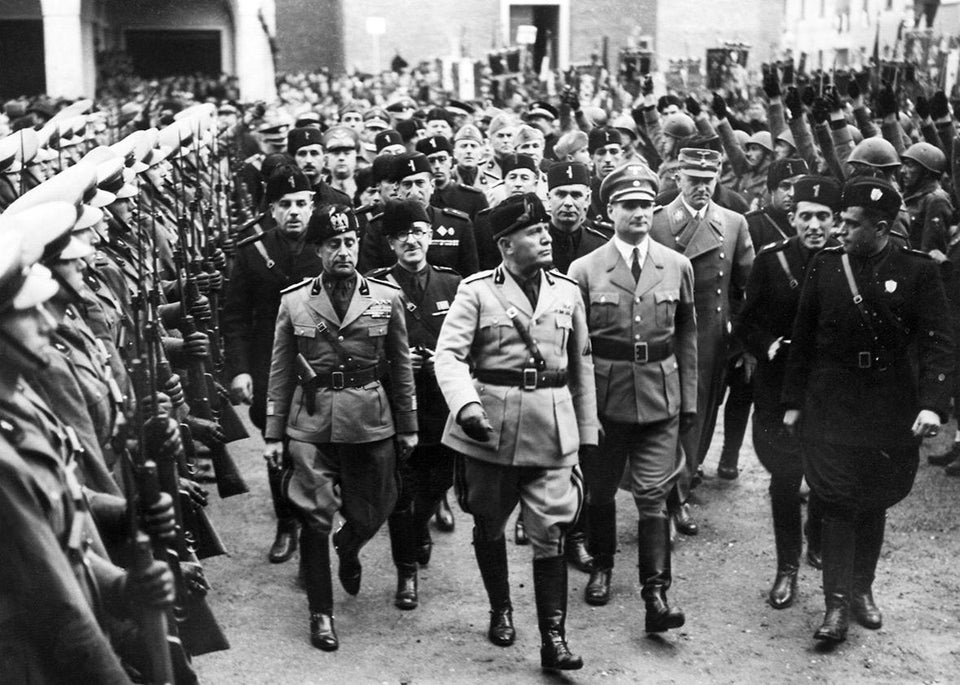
(416, 233)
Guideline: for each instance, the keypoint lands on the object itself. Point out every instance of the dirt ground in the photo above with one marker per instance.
(721, 579)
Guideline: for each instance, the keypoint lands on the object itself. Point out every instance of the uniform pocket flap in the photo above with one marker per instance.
(489, 320)
(564, 320)
(304, 330)
(666, 296)
(604, 298)
(377, 331)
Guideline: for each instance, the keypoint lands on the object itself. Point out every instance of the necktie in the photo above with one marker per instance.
(635, 267)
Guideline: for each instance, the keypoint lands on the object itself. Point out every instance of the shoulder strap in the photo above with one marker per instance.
(857, 297)
(345, 357)
(414, 310)
(522, 331)
(782, 258)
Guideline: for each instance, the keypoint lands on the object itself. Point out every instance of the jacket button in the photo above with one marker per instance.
(340, 338)
(637, 319)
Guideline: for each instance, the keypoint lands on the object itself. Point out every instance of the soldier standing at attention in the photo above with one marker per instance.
(336, 333)
(428, 474)
(643, 332)
(869, 375)
(520, 421)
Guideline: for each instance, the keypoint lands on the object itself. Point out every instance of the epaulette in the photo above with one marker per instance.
(295, 286)
(455, 212)
(599, 234)
(773, 247)
(445, 269)
(477, 276)
(382, 282)
(834, 249)
(250, 240)
(377, 273)
(916, 253)
(554, 272)
(464, 186)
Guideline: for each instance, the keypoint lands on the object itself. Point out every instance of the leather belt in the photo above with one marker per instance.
(357, 378)
(527, 379)
(637, 352)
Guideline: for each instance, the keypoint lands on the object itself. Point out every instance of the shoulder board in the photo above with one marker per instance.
(753, 212)
(773, 247)
(479, 275)
(379, 273)
(557, 274)
(455, 212)
(591, 229)
(659, 208)
(250, 240)
(380, 281)
(917, 253)
(470, 189)
(833, 249)
(295, 286)
(445, 269)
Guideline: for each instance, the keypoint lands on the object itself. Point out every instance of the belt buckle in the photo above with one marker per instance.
(336, 380)
(641, 353)
(864, 360)
(529, 379)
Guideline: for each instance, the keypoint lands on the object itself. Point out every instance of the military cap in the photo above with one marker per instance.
(630, 182)
(514, 161)
(542, 109)
(570, 142)
(399, 215)
(785, 136)
(21, 287)
(273, 121)
(340, 138)
(707, 142)
(110, 179)
(45, 233)
(408, 129)
(382, 168)
(302, 137)
(784, 169)
(603, 136)
(626, 125)
(227, 108)
(468, 132)
(355, 107)
(434, 144)
(515, 213)
(387, 138)
(527, 134)
(330, 221)
(458, 108)
(17, 147)
(567, 173)
(274, 161)
(376, 117)
(871, 193)
(284, 180)
(763, 139)
(128, 149)
(438, 113)
(500, 121)
(308, 119)
(408, 164)
(402, 104)
(824, 190)
(698, 161)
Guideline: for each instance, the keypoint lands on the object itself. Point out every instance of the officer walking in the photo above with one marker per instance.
(852, 391)
(643, 333)
(336, 333)
(521, 419)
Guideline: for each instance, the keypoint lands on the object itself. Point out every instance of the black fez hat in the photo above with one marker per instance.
(387, 138)
(824, 190)
(329, 221)
(567, 173)
(399, 215)
(782, 169)
(303, 136)
(382, 168)
(285, 179)
(603, 136)
(872, 193)
(516, 212)
(408, 164)
(514, 161)
(434, 144)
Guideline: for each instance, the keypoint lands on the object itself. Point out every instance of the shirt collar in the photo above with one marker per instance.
(626, 249)
(692, 211)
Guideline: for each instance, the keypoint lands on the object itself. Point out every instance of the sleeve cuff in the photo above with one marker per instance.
(275, 428)
(406, 421)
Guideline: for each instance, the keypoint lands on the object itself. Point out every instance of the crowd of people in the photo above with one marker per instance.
(537, 304)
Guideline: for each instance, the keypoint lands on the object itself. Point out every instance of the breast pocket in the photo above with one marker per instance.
(305, 334)
(666, 302)
(564, 326)
(603, 308)
(493, 328)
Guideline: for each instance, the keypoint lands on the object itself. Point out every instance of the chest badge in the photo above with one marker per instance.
(890, 286)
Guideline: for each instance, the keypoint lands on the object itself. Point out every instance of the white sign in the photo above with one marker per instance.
(526, 34)
(953, 68)
(376, 26)
(467, 87)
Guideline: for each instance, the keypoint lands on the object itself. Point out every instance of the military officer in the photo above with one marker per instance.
(572, 233)
(718, 244)
(520, 175)
(305, 145)
(643, 333)
(860, 399)
(772, 223)
(500, 133)
(764, 326)
(265, 264)
(605, 146)
(453, 243)
(448, 192)
(522, 417)
(336, 333)
(428, 474)
(468, 145)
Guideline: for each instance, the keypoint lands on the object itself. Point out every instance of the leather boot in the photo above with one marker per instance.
(423, 511)
(656, 575)
(785, 506)
(492, 561)
(315, 562)
(814, 531)
(727, 468)
(550, 591)
(575, 545)
(348, 549)
(403, 548)
(870, 529)
(445, 520)
(285, 542)
(602, 524)
(520, 530)
(838, 552)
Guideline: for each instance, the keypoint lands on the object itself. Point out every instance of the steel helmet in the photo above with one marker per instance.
(786, 136)
(874, 152)
(763, 139)
(928, 156)
(679, 125)
(742, 136)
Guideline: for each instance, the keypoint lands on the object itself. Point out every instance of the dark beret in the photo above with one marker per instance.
(399, 215)
(514, 161)
(516, 212)
(285, 179)
(567, 173)
(303, 136)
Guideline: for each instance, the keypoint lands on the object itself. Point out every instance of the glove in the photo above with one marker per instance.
(193, 490)
(196, 345)
(208, 432)
(719, 106)
(821, 111)
(939, 107)
(853, 89)
(473, 419)
(788, 73)
(771, 82)
(174, 390)
(693, 106)
(152, 588)
(200, 309)
(646, 85)
(807, 96)
(886, 102)
(159, 520)
(832, 96)
(570, 99)
(792, 102)
(923, 107)
(241, 389)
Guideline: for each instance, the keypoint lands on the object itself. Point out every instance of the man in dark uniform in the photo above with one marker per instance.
(520, 424)
(764, 327)
(336, 333)
(771, 223)
(927, 203)
(861, 398)
(453, 242)
(427, 293)
(606, 150)
(448, 192)
(573, 234)
(305, 145)
(266, 263)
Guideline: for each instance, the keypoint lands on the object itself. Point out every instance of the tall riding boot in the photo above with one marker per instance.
(403, 547)
(870, 529)
(445, 520)
(348, 549)
(550, 591)
(839, 540)
(315, 562)
(788, 536)
(656, 575)
(285, 542)
(423, 511)
(602, 527)
(492, 561)
(814, 530)
(575, 544)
